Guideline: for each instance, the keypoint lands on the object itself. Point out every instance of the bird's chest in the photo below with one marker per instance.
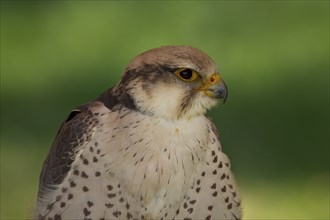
(156, 160)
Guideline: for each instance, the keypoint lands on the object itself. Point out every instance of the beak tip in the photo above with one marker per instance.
(224, 100)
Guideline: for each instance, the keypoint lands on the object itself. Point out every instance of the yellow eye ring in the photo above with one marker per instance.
(186, 75)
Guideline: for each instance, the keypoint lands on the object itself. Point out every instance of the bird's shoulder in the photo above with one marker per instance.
(75, 132)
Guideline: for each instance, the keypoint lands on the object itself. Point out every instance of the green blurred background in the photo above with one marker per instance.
(274, 57)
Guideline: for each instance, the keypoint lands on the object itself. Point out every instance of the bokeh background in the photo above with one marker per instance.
(273, 55)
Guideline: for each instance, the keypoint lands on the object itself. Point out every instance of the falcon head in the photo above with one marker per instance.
(172, 82)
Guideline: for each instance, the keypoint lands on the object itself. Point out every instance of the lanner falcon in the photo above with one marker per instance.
(144, 148)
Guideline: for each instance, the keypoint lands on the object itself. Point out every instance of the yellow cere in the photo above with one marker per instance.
(213, 79)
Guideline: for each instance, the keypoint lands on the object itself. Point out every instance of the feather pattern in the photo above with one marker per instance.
(131, 155)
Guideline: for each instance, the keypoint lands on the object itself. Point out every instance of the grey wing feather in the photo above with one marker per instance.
(74, 132)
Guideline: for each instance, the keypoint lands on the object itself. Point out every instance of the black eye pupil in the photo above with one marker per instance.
(186, 74)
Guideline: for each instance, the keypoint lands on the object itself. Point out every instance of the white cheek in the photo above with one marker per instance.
(207, 102)
(166, 100)
(163, 100)
(200, 104)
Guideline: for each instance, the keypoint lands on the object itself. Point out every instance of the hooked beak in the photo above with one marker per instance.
(215, 87)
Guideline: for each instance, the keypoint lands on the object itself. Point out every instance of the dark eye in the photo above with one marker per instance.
(186, 74)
